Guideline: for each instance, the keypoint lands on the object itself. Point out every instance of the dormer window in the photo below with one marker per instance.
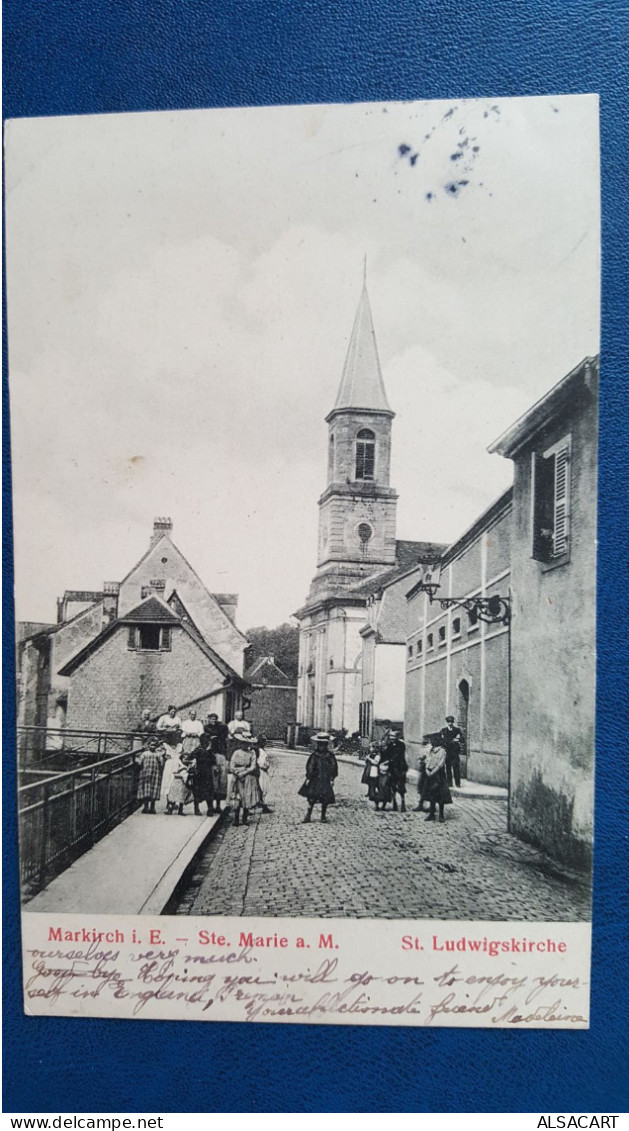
(149, 638)
(365, 454)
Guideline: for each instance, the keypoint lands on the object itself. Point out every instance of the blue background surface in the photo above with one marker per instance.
(90, 56)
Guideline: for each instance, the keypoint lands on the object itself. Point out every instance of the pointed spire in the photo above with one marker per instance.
(361, 384)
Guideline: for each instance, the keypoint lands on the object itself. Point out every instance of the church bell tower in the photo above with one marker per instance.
(357, 510)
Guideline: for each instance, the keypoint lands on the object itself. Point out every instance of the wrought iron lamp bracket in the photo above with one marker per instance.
(492, 610)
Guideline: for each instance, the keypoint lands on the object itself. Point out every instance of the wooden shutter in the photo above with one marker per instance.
(133, 637)
(561, 526)
(165, 638)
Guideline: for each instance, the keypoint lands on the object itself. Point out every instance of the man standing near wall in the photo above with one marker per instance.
(452, 740)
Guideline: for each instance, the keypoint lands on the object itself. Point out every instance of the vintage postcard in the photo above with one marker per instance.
(304, 441)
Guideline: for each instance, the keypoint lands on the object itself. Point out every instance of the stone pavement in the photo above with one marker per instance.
(364, 864)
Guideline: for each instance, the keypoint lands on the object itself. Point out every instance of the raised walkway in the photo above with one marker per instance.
(131, 871)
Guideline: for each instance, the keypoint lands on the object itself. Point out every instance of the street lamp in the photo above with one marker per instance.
(492, 610)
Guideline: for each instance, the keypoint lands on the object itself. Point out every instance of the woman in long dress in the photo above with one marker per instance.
(242, 767)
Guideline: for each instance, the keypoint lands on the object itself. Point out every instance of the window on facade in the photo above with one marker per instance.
(331, 458)
(442, 633)
(430, 640)
(365, 454)
(420, 647)
(410, 651)
(472, 615)
(149, 638)
(456, 626)
(550, 474)
(365, 532)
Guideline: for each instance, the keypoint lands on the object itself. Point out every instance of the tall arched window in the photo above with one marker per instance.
(365, 454)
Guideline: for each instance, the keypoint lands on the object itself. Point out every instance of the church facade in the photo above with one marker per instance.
(357, 542)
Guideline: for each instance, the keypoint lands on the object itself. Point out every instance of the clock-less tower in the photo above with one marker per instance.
(357, 528)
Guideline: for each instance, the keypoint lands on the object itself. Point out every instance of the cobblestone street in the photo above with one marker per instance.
(364, 864)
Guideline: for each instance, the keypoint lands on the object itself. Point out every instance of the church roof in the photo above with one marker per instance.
(361, 384)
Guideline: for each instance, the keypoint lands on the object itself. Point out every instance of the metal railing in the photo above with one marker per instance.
(63, 815)
(48, 747)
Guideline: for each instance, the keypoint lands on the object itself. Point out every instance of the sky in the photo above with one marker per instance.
(181, 289)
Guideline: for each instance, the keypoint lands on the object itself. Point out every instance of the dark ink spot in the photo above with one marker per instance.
(403, 149)
(463, 183)
(413, 159)
(455, 156)
(475, 148)
(429, 195)
(452, 188)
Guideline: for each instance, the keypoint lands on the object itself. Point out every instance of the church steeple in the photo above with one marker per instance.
(361, 383)
(357, 509)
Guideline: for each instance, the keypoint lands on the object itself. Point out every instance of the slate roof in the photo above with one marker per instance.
(361, 383)
(154, 611)
(150, 611)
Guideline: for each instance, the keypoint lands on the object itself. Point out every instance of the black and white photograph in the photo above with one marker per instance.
(304, 449)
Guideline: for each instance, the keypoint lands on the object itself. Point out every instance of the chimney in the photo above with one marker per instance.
(110, 601)
(161, 526)
(228, 603)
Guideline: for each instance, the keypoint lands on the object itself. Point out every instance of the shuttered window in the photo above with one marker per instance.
(551, 502)
(149, 638)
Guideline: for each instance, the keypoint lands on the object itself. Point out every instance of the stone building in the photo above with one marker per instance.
(357, 538)
(384, 647)
(457, 663)
(46, 682)
(273, 698)
(553, 629)
(149, 656)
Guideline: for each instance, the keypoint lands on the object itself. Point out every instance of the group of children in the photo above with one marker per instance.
(208, 764)
(386, 769)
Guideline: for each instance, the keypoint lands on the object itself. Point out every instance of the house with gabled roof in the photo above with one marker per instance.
(149, 657)
(273, 698)
(62, 667)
